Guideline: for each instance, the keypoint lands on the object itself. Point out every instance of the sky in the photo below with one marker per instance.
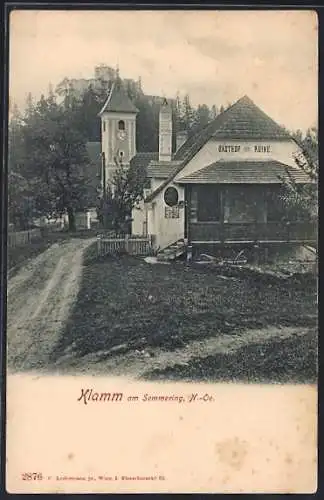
(215, 56)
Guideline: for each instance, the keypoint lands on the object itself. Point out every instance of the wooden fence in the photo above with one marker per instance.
(21, 238)
(133, 245)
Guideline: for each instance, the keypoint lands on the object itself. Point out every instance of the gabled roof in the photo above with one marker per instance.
(245, 172)
(161, 170)
(154, 168)
(241, 121)
(118, 100)
(143, 159)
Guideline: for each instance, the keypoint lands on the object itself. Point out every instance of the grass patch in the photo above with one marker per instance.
(126, 301)
(292, 360)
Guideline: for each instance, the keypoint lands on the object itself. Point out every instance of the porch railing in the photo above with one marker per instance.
(253, 232)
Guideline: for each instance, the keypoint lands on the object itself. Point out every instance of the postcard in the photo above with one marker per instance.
(162, 251)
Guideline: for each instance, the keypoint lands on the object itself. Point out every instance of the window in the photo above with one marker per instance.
(209, 204)
(171, 196)
(275, 205)
(121, 125)
(104, 126)
(171, 212)
(121, 154)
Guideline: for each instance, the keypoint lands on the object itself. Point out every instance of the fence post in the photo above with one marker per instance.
(189, 253)
(127, 245)
(98, 246)
(288, 231)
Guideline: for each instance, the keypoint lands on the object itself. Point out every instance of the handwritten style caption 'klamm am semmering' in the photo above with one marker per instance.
(91, 396)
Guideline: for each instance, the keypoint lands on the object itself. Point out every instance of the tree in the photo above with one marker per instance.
(54, 159)
(302, 199)
(213, 112)
(20, 206)
(29, 104)
(90, 105)
(188, 114)
(202, 116)
(147, 129)
(123, 194)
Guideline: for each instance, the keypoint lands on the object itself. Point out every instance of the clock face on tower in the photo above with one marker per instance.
(121, 134)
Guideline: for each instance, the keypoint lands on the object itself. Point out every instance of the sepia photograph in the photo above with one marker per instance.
(162, 248)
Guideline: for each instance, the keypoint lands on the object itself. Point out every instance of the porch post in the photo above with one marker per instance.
(187, 235)
(224, 213)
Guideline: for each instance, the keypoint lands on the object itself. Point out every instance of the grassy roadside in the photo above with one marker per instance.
(127, 303)
(292, 360)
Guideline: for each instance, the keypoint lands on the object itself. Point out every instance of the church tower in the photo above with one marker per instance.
(118, 130)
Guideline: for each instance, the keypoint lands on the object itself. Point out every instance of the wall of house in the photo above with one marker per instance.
(215, 150)
(139, 213)
(139, 216)
(165, 230)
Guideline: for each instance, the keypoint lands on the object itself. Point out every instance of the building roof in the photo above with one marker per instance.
(143, 159)
(245, 172)
(241, 121)
(154, 168)
(118, 100)
(161, 170)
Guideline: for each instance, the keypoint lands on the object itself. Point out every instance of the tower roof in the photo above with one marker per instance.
(118, 100)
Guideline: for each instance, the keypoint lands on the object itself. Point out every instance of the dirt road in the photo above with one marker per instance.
(138, 363)
(39, 300)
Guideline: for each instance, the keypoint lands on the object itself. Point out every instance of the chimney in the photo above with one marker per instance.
(181, 138)
(165, 132)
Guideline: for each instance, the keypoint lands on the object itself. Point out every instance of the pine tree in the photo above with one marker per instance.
(202, 116)
(30, 107)
(188, 113)
(213, 112)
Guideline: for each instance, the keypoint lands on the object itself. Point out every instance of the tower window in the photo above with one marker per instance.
(104, 126)
(121, 125)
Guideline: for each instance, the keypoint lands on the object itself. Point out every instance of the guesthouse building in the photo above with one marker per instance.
(221, 187)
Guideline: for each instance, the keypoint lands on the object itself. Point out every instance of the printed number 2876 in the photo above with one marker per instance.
(32, 476)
